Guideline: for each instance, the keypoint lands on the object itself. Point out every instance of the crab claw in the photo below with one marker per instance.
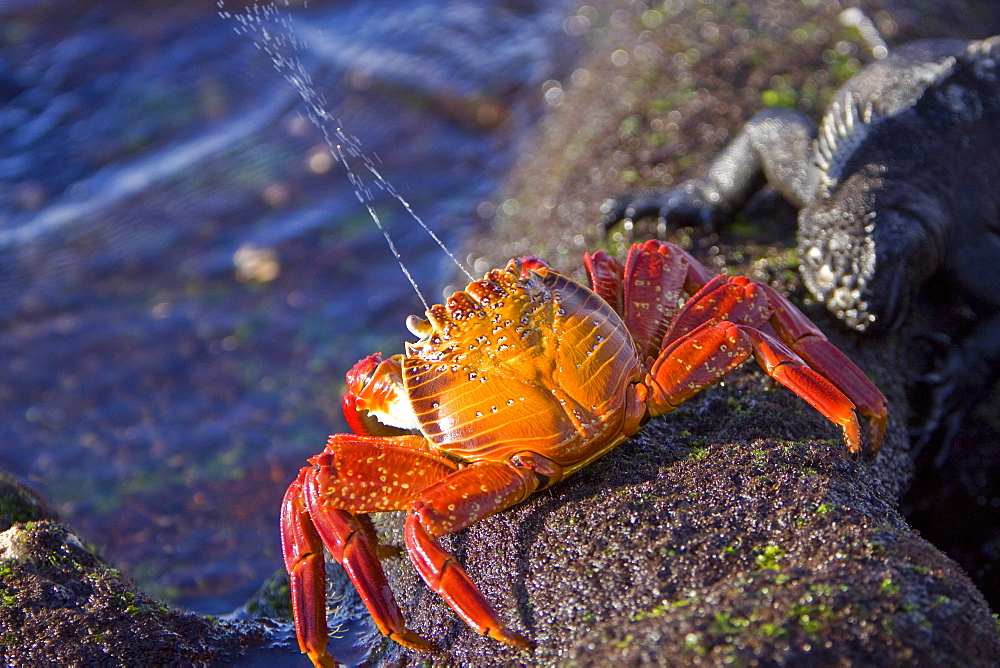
(375, 402)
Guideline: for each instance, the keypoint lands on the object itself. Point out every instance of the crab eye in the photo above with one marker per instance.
(419, 327)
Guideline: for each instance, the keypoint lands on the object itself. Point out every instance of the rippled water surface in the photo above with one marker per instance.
(186, 273)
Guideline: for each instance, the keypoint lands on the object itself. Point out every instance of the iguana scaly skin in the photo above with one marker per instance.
(898, 190)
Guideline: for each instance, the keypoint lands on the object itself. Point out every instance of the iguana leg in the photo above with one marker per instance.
(774, 148)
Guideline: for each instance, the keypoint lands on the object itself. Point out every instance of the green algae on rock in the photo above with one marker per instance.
(62, 605)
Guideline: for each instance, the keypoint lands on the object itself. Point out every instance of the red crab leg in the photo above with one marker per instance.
(646, 292)
(746, 302)
(349, 545)
(447, 578)
(459, 500)
(317, 511)
(704, 355)
(733, 298)
(809, 342)
(303, 553)
(654, 273)
(605, 274)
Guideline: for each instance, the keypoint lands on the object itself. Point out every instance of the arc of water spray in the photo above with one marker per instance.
(281, 46)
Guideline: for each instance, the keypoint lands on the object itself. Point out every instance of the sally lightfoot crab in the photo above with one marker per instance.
(516, 383)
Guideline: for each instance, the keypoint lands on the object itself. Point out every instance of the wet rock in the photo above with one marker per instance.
(735, 530)
(20, 503)
(62, 605)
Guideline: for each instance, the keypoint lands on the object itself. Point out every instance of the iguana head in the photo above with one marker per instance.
(866, 248)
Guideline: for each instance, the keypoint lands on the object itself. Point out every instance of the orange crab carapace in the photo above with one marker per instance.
(514, 384)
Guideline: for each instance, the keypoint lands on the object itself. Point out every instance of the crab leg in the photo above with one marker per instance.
(712, 350)
(605, 273)
(456, 502)
(646, 292)
(759, 306)
(447, 578)
(350, 546)
(812, 345)
(656, 272)
(347, 539)
(302, 549)
(318, 511)
(826, 397)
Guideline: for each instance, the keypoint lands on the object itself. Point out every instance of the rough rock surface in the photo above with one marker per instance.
(735, 529)
(62, 605)
(720, 534)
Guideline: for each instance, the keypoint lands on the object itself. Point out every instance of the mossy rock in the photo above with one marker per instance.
(62, 605)
(20, 503)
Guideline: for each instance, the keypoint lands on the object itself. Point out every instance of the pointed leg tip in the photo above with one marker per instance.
(412, 640)
(321, 659)
(877, 426)
(854, 450)
(852, 435)
(509, 637)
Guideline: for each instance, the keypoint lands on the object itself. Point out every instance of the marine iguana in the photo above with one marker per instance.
(898, 192)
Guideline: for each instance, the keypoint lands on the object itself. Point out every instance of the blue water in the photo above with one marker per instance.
(185, 273)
